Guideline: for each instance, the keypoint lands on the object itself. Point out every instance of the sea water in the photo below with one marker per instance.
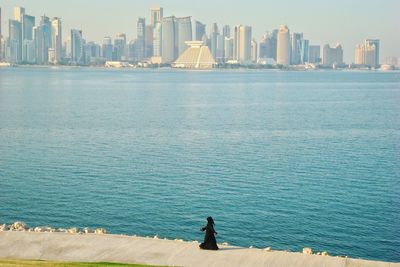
(281, 159)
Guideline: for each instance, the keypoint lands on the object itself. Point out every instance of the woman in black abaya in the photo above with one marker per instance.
(210, 242)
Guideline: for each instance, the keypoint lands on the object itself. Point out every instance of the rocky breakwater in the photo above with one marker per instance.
(22, 227)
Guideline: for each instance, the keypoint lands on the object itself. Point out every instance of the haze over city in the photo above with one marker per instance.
(344, 22)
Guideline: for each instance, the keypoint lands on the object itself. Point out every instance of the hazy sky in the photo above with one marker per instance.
(322, 21)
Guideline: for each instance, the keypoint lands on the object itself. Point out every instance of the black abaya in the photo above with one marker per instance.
(209, 240)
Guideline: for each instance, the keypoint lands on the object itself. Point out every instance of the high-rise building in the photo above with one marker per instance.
(376, 43)
(28, 45)
(156, 15)
(15, 41)
(314, 54)
(296, 42)
(283, 56)
(365, 54)
(228, 49)
(19, 13)
(28, 24)
(184, 33)
(169, 49)
(175, 32)
(107, 48)
(226, 31)
(305, 51)
(268, 46)
(42, 37)
(119, 52)
(157, 40)
(242, 49)
(254, 51)
(93, 53)
(141, 39)
(332, 56)
(28, 51)
(214, 34)
(149, 41)
(199, 31)
(56, 41)
(77, 48)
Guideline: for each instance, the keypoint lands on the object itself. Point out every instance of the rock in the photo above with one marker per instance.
(87, 230)
(225, 244)
(156, 237)
(73, 230)
(38, 229)
(307, 251)
(318, 253)
(100, 231)
(3, 227)
(268, 249)
(251, 247)
(18, 226)
(61, 230)
(324, 253)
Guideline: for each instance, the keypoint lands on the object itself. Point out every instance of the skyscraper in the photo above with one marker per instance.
(107, 48)
(28, 45)
(226, 31)
(19, 13)
(242, 49)
(77, 47)
(141, 39)
(332, 56)
(228, 49)
(168, 40)
(184, 34)
(156, 15)
(149, 41)
(296, 42)
(214, 34)
(28, 24)
(305, 51)
(254, 51)
(283, 46)
(268, 46)
(199, 31)
(15, 41)
(157, 40)
(375, 42)
(56, 41)
(42, 37)
(314, 54)
(365, 54)
(119, 52)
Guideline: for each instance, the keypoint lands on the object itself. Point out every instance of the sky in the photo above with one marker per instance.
(348, 22)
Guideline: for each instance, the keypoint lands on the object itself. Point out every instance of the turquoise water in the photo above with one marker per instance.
(281, 159)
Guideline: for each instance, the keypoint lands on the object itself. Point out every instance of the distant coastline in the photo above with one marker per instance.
(128, 66)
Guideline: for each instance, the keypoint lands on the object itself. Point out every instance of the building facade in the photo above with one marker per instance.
(283, 53)
(77, 48)
(56, 41)
(332, 55)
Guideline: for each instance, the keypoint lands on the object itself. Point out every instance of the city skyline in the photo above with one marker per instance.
(109, 19)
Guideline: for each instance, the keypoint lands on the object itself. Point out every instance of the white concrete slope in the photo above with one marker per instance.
(126, 249)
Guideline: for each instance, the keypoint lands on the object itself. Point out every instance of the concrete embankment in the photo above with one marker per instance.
(92, 247)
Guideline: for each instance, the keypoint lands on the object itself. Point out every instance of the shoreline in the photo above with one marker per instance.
(159, 68)
(97, 246)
